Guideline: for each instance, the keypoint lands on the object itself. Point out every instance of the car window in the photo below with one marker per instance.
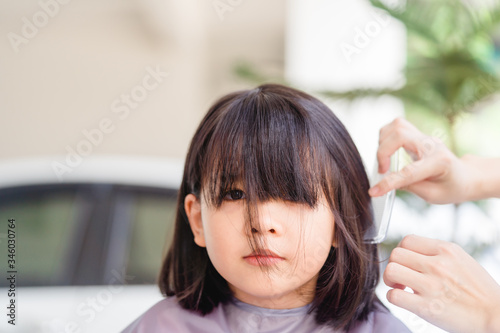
(152, 227)
(87, 234)
(44, 219)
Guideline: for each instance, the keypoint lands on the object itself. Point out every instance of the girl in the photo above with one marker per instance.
(271, 215)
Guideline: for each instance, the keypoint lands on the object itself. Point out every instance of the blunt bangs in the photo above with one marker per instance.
(264, 145)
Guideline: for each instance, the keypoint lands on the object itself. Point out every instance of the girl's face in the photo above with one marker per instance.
(298, 240)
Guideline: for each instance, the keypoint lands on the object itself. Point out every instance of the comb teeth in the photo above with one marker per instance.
(382, 206)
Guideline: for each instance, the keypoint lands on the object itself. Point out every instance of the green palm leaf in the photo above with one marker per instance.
(448, 70)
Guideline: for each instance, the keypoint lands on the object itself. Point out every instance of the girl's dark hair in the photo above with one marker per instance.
(280, 143)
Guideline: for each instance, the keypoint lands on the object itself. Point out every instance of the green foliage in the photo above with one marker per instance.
(248, 72)
(449, 66)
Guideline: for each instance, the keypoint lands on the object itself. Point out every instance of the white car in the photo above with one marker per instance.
(89, 246)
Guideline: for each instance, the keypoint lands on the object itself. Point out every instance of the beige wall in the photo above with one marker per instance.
(69, 76)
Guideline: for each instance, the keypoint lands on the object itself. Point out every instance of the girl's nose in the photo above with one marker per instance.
(269, 222)
(271, 230)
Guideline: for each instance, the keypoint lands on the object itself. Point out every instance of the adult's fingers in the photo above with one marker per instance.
(410, 174)
(422, 245)
(398, 133)
(405, 258)
(396, 275)
(409, 258)
(386, 148)
(397, 125)
(393, 142)
(406, 300)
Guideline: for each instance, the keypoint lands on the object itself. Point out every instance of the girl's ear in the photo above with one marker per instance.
(192, 206)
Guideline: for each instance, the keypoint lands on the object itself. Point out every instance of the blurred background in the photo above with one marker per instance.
(99, 100)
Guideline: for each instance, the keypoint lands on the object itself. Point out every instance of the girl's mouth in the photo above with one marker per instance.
(263, 258)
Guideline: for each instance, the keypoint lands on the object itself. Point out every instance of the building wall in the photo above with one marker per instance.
(66, 68)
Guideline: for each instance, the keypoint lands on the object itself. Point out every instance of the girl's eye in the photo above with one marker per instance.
(234, 195)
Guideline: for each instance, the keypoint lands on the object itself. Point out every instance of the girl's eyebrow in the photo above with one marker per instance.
(236, 185)
(238, 182)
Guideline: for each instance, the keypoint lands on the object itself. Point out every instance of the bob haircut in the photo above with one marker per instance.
(283, 144)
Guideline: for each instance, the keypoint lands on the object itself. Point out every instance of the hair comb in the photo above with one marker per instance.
(382, 206)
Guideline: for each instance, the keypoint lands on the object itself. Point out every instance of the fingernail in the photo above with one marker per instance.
(374, 191)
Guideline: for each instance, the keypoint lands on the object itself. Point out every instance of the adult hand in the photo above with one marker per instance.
(450, 289)
(436, 174)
